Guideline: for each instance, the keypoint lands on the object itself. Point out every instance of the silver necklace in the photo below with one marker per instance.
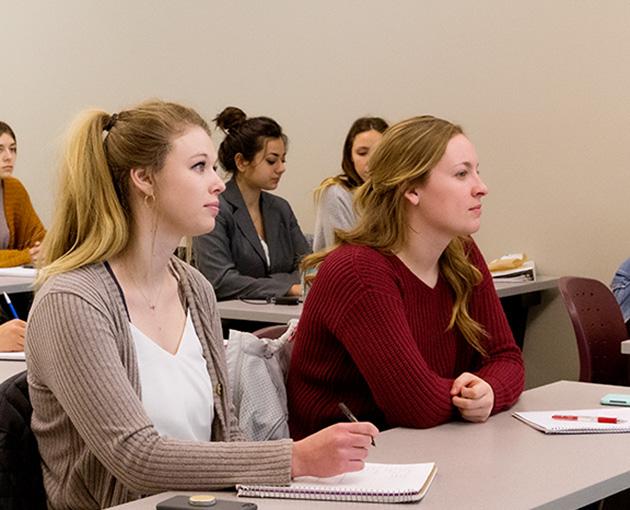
(144, 296)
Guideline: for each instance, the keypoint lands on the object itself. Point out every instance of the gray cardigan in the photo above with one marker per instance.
(98, 446)
(232, 256)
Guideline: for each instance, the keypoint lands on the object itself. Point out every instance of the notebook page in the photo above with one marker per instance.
(376, 482)
(373, 478)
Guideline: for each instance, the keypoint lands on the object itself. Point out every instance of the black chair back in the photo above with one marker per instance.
(21, 484)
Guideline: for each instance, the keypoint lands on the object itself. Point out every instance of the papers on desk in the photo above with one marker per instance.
(26, 272)
(543, 421)
(378, 483)
(12, 356)
(524, 273)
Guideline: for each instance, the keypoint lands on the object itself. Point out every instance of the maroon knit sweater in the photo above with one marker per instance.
(372, 335)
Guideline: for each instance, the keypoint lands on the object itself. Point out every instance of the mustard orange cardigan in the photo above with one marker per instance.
(25, 227)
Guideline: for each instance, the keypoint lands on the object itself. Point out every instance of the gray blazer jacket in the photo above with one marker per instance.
(232, 256)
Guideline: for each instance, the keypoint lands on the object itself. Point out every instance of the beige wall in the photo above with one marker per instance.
(541, 88)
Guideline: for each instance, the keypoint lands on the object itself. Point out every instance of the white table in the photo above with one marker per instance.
(11, 284)
(496, 465)
(269, 312)
(507, 289)
(9, 368)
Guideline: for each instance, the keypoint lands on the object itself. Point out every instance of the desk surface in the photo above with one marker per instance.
(264, 312)
(499, 464)
(16, 284)
(9, 368)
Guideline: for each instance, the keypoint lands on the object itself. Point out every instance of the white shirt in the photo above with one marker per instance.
(176, 388)
(266, 250)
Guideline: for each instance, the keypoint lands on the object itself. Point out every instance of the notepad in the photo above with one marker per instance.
(376, 483)
(543, 421)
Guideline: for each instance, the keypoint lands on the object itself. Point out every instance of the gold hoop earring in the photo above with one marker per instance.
(149, 200)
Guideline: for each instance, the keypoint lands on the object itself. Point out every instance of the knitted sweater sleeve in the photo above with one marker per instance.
(73, 355)
(25, 227)
(503, 368)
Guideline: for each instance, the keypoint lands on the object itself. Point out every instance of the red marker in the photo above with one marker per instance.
(595, 419)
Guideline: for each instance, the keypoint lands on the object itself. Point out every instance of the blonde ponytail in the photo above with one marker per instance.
(89, 224)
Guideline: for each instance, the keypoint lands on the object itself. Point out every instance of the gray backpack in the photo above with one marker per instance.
(257, 370)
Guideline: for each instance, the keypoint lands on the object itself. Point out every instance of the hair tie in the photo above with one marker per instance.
(110, 123)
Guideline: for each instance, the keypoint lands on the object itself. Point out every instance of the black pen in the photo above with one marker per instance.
(351, 417)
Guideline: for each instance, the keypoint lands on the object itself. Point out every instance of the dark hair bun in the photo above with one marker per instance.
(230, 118)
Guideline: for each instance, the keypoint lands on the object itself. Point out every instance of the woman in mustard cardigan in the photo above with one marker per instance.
(20, 234)
(21, 230)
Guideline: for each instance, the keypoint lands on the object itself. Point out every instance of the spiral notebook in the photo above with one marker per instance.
(376, 483)
(543, 421)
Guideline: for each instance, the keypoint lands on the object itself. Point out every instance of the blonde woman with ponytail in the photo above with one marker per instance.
(402, 322)
(126, 368)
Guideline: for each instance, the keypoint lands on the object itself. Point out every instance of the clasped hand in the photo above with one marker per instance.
(473, 397)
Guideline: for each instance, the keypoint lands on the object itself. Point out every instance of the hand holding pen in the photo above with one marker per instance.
(12, 332)
(337, 449)
(348, 414)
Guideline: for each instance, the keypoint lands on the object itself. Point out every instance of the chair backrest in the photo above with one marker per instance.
(21, 484)
(599, 329)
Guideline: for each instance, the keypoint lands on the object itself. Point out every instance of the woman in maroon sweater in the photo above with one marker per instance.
(402, 322)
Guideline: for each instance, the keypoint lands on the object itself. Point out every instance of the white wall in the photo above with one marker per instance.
(541, 88)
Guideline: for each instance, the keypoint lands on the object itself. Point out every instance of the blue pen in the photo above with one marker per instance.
(8, 300)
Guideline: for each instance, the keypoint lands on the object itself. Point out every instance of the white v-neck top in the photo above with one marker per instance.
(266, 250)
(176, 388)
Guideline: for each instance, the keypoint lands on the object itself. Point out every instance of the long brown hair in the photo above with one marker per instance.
(349, 178)
(92, 214)
(405, 157)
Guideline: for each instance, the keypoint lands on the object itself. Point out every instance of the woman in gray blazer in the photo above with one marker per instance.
(257, 244)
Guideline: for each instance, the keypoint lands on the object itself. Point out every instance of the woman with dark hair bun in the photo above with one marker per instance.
(334, 195)
(255, 249)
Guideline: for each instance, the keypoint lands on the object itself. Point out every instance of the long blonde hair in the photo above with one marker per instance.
(92, 215)
(404, 158)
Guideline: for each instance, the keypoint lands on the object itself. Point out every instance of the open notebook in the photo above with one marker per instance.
(543, 421)
(377, 483)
